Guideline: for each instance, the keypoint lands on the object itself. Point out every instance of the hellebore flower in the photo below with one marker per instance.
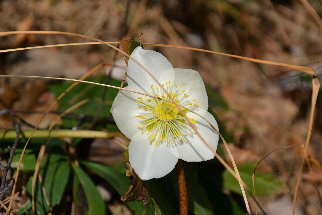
(158, 130)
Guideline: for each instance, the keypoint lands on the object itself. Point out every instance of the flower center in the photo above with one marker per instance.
(162, 121)
(165, 111)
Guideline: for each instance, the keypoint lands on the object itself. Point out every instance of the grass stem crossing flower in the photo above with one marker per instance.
(159, 130)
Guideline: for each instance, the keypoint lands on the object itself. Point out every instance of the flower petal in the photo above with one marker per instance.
(155, 63)
(194, 86)
(151, 161)
(195, 149)
(124, 109)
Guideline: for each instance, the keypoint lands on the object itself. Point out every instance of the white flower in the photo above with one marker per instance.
(159, 133)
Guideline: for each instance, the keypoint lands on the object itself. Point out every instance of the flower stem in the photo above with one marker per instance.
(183, 196)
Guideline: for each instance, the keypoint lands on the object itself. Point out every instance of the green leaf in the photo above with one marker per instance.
(85, 91)
(25, 208)
(133, 45)
(95, 202)
(78, 195)
(34, 145)
(222, 203)
(28, 162)
(210, 177)
(163, 196)
(119, 181)
(157, 210)
(54, 173)
(128, 47)
(236, 210)
(265, 183)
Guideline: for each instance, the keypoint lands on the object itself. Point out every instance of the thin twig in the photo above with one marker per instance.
(13, 115)
(4, 188)
(84, 117)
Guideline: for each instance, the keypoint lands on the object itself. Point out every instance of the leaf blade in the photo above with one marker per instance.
(95, 202)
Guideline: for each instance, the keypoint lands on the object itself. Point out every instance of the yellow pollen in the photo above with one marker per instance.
(193, 121)
(162, 121)
(140, 116)
(165, 111)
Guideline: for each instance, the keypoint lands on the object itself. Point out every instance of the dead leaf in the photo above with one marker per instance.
(7, 97)
(137, 190)
(25, 25)
(128, 46)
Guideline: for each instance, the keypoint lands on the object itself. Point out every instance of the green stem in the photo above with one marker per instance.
(60, 134)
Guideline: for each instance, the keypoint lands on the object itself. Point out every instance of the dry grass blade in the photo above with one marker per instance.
(236, 175)
(57, 45)
(69, 110)
(6, 201)
(315, 91)
(34, 180)
(312, 12)
(86, 82)
(308, 70)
